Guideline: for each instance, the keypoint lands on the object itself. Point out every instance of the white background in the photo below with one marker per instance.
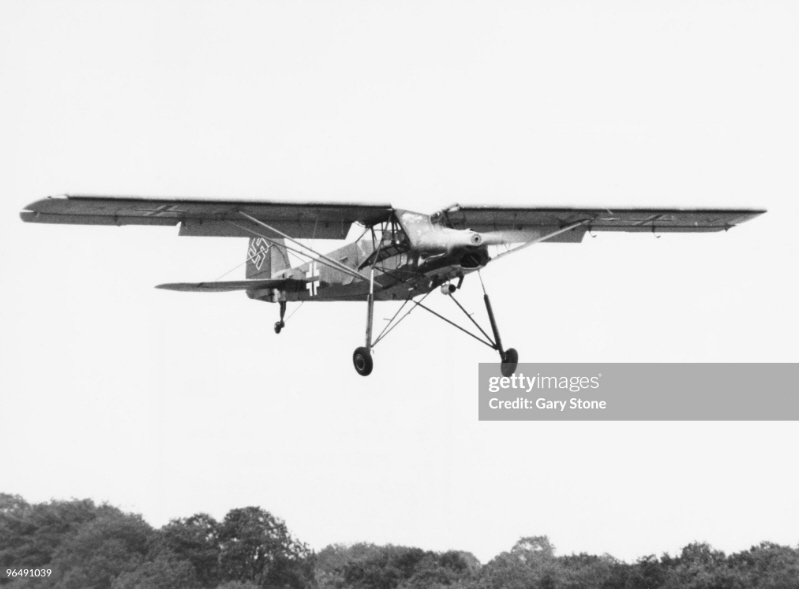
(170, 404)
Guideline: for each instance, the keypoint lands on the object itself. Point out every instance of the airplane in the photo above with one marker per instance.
(400, 255)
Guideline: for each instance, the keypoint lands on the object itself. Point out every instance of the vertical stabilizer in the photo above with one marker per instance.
(266, 257)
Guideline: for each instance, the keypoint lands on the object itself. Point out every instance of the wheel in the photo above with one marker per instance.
(510, 360)
(362, 360)
(278, 326)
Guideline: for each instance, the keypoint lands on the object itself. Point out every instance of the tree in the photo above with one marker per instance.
(534, 547)
(331, 562)
(530, 563)
(257, 547)
(31, 534)
(196, 540)
(646, 572)
(448, 569)
(166, 571)
(587, 571)
(101, 550)
(386, 568)
(699, 566)
(767, 566)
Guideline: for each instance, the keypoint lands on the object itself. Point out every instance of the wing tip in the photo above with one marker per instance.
(186, 287)
(31, 212)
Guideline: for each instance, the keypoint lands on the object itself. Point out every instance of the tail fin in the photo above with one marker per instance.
(265, 258)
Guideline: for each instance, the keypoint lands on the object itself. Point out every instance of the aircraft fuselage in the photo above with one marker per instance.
(413, 259)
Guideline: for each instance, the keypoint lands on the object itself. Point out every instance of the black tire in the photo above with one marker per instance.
(362, 360)
(278, 326)
(510, 360)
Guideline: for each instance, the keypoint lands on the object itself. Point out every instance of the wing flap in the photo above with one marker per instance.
(212, 218)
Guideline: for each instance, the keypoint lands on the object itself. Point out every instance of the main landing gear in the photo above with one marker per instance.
(281, 324)
(509, 357)
(362, 357)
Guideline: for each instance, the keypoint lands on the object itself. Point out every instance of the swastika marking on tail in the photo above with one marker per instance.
(258, 251)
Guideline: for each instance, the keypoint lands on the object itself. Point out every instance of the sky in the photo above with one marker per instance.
(168, 404)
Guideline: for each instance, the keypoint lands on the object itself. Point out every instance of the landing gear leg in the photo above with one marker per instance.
(362, 357)
(509, 357)
(281, 324)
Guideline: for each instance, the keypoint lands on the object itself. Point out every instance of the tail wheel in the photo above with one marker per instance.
(278, 326)
(510, 360)
(362, 360)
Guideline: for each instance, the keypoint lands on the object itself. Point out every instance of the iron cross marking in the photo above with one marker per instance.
(313, 274)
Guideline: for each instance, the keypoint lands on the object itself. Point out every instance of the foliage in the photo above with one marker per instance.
(101, 550)
(195, 540)
(390, 567)
(257, 547)
(30, 534)
(91, 546)
(166, 571)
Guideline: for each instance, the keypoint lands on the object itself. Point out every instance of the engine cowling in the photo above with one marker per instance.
(443, 239)
(430, 238)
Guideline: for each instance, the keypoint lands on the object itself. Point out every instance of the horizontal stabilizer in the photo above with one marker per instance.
(230, 285)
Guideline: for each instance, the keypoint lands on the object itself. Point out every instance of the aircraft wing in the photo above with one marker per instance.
(227, 286)
(212, 218)
(493, 218)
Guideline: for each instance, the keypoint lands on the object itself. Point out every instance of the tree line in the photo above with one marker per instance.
(90, 546)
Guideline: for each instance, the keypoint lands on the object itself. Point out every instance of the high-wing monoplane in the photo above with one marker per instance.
(400, 255)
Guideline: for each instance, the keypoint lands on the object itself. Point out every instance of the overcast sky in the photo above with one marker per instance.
(168, 404)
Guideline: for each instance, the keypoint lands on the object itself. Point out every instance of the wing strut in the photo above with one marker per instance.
(544, 238)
